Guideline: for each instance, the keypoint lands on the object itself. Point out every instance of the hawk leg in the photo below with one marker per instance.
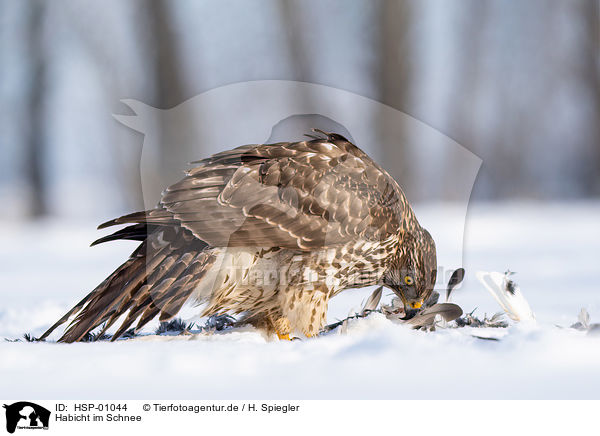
(306, 310)
(283, 328)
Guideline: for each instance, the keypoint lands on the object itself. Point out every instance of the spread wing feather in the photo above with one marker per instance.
(158, 278)
(301, 195)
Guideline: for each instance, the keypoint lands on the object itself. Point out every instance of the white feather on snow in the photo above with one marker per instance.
(47, 267)
(512, 302)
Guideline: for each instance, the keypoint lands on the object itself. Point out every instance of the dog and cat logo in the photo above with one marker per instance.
(26, 415)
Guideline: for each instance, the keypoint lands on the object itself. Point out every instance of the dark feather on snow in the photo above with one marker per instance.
(485, 338)
(93, 337)
(27, 336)
(510, 286)
(176, 325)
(457, 277)
(496, 321)
(220, 322)
(131, 333)
(432, 300)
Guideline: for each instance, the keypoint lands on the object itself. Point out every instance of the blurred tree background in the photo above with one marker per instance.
(517, 83)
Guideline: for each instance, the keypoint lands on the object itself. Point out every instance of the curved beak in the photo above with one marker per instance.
(411, 307)
(409, 313)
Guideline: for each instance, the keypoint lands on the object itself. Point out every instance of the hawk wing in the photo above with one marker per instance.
(157, 279)
(301, 195)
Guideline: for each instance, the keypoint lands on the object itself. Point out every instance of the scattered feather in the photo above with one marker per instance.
(176, 325)
(344, 328)
(426, 318)
(584, 324)
(395, 308)
(508, 294)
(129, 334)
(584, 318)
(372, 301)
(344, 322)
(485, 338)
(469, 320)
(457, 277)
(432, 300)
(93, 337)
(220, 322)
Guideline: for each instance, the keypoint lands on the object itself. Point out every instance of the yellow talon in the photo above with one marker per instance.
(284, 337)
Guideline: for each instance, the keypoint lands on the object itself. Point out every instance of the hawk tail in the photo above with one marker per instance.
(157, 279)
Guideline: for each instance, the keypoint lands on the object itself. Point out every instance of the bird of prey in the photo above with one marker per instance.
(269, 232)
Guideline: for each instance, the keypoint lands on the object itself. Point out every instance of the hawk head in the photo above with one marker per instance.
(413, 270)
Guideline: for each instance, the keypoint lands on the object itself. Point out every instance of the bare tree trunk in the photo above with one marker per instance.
(591, 16)
(395, 77)
(467, 83)
(288, 14)
(169, 81)
(167, 65)
(35, 135)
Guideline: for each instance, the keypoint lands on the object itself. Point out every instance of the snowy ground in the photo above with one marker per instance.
(46, 267)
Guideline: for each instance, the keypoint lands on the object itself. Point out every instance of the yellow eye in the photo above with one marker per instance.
(408, 280)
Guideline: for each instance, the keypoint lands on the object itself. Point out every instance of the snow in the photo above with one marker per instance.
(46, 267)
